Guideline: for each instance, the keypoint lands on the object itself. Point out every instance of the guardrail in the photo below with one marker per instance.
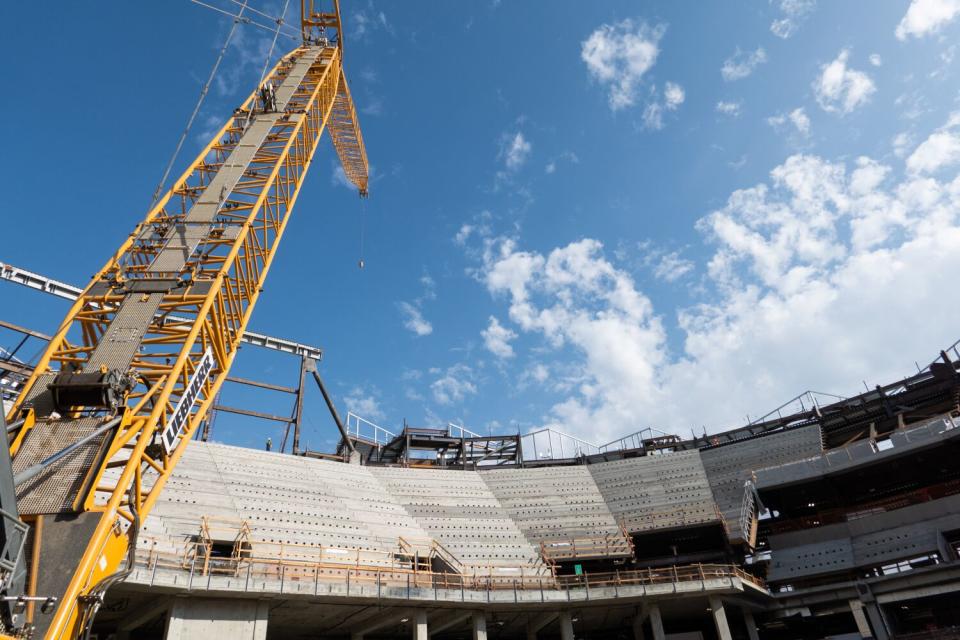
(365, 430)
(253, 570)
(608, 546)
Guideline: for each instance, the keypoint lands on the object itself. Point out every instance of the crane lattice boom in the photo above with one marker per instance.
(135, 366)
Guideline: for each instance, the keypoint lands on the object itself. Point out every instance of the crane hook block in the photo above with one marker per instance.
(97, 390)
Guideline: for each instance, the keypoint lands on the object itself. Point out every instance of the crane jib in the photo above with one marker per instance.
(179, 418)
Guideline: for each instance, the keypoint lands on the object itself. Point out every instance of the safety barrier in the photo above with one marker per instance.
(325, 570)
(607, 546)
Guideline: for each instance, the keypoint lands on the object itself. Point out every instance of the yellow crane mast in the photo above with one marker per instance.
(136, 364)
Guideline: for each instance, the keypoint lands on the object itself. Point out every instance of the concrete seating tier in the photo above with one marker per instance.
(656, 492)
(462, 513)
(552, 504)
(284, 499)
(729, 467)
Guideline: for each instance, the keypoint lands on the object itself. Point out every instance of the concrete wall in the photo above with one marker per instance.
(207, 619)
(903, 443)
(869, 541)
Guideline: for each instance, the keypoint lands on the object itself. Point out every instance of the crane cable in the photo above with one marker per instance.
(266, 62)
(363, 222)
(292, 34)
(196, 109)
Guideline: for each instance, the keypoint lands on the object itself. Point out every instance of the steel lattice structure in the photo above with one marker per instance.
(169, 309)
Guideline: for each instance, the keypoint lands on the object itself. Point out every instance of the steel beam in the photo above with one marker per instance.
(38, 282)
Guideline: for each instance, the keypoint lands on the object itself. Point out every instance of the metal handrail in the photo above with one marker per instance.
(299, 570)
(585, 547)
(463, 431)
(354, 423)
(581, 447)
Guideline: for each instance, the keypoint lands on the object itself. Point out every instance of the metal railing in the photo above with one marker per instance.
(459, 431)
(412, 546)
(748, 515)
(606, 546)
(634, 440)
(550, 444)
(257, 570)
(363, 429)
(368, 431)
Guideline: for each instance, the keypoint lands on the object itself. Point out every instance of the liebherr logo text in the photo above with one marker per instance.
(179, 418)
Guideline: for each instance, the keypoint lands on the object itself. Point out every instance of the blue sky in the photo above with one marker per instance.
(597, 217)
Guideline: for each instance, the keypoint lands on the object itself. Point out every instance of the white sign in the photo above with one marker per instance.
(182, 413)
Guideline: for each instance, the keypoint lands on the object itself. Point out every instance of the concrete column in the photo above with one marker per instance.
(535, 624)
(877, 621)
(720, 618)
(856, 607)
(638, 627)
(420, 625)
(656, 623)
(751, 625)
(566, 626)
(479, 620)
(206, 618)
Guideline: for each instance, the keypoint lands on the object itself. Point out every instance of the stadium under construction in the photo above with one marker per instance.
(119, 518)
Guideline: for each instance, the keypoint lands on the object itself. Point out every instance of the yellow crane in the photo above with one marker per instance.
(136, 364)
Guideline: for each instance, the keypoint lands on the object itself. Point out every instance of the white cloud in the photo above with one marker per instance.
(568, 156)
(463, 234)
(364, 404)
(575, 296)
(673, 96)
(913, 105)
(496, 338)
(729, 108)
(539, 372)
(742, 63)
(453, 385)
(813, 267)
(794, 13)
(618, 55)
(841, 89)
(413, 319)
(800, 121)
(653, 116)
(941, 149)
(479, 226)
(366, 22)
(924, 17)
(412, 313)
(339, 178)
(429, 287)
(876, 60)
(902, 143)
(672, 267)
(515, 149)
(797, 118)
